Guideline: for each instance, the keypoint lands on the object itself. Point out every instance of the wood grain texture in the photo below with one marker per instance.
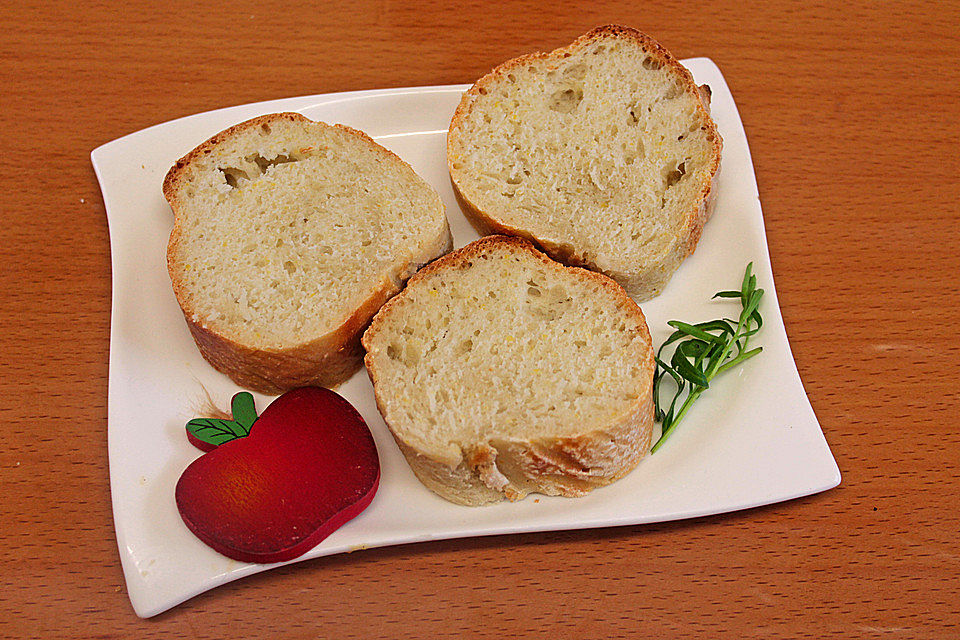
(851, 111)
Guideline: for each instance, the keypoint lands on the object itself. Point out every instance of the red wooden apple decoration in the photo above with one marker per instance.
(271, 488)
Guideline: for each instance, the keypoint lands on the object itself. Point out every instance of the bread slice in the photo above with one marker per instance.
(288, 236)
(602, 152)
(501, 372)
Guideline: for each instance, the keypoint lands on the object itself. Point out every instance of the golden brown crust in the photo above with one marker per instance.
(510, 469)
(487, 225)
(643, 285)
(171, 181)
(327, 360)
(457, 259)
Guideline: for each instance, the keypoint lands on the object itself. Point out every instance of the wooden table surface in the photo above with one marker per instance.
(851, 113)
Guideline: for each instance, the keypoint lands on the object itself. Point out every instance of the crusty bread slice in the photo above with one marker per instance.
(501, 372)
(288, 236)
(602, 152)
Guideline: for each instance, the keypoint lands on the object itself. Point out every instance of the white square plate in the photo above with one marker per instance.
(752, 440)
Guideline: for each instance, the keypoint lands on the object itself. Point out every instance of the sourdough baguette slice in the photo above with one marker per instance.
(288, 237)
(603, 152)
(501, 372)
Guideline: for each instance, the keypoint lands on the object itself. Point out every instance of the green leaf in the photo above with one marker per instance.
(676, 335)
(703, 350)
(724, 326)
(740, 358)
(753, 301)
(659, 372)
(695, 331)
(693, 348)
(749, 281)
(244, 410)
(214, 431)
(686, 370)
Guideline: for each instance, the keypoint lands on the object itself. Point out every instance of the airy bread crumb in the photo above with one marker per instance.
(289, 235)
(501, 372)
(602, 152)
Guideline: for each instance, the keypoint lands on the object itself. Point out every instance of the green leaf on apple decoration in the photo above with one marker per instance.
(244, 411)
(216, 431)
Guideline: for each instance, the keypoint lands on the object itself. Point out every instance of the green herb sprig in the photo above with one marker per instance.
(704, 350)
